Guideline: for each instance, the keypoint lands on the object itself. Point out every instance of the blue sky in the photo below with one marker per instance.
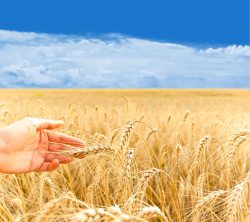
(193, 21)
(124, 44)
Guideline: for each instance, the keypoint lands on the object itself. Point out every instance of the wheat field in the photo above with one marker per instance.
(150, 155)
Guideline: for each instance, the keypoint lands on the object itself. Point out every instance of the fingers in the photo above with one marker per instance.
(49, 166)
(53, 165)
(42, 124)
(66, 160)
(57, 147)
(47, 124)
(62, 159)
(63, 138)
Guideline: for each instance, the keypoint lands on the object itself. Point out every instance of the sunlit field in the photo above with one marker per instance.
(151, 155)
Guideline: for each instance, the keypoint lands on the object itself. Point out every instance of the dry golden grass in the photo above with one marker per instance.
(151, 155)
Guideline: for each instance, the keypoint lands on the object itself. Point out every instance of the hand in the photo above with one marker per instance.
(25, 143)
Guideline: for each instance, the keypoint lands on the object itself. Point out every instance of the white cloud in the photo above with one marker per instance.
(230, 50)
(44, 60)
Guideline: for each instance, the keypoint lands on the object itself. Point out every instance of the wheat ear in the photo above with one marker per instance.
(198, 153)
(212, 196)
(124, 136)
(146, 176)
(91, 214)
(81, 153)
(52, 206)
(112, 213)
(236, 135)
(186, 115)
(138, 193)
(151, 212)
(236, 144)
(237, 199)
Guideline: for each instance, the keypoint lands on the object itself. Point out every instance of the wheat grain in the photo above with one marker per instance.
(128, 162)
(151, 212)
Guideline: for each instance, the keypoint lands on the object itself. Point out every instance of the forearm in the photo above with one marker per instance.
(4, 150)
(4, 140)
(5, 164)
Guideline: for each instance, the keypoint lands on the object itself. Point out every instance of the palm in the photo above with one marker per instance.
(39, 147)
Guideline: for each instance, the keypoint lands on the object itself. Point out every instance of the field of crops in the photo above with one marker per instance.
(150, 155)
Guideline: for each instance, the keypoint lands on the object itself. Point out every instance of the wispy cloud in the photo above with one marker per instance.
(45, 60)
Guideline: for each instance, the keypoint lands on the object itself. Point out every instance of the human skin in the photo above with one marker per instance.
(24, 146)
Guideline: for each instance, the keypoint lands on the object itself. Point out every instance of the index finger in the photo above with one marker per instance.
(63, 138)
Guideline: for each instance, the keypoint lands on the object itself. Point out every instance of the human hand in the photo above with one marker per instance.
(24, 146)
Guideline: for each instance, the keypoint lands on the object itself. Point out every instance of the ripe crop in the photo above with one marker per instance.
(150, 155)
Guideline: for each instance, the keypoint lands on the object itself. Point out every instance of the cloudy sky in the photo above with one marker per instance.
(45, 60)
(133, 45)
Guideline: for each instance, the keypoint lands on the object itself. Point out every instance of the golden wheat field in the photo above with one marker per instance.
(150, 155)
